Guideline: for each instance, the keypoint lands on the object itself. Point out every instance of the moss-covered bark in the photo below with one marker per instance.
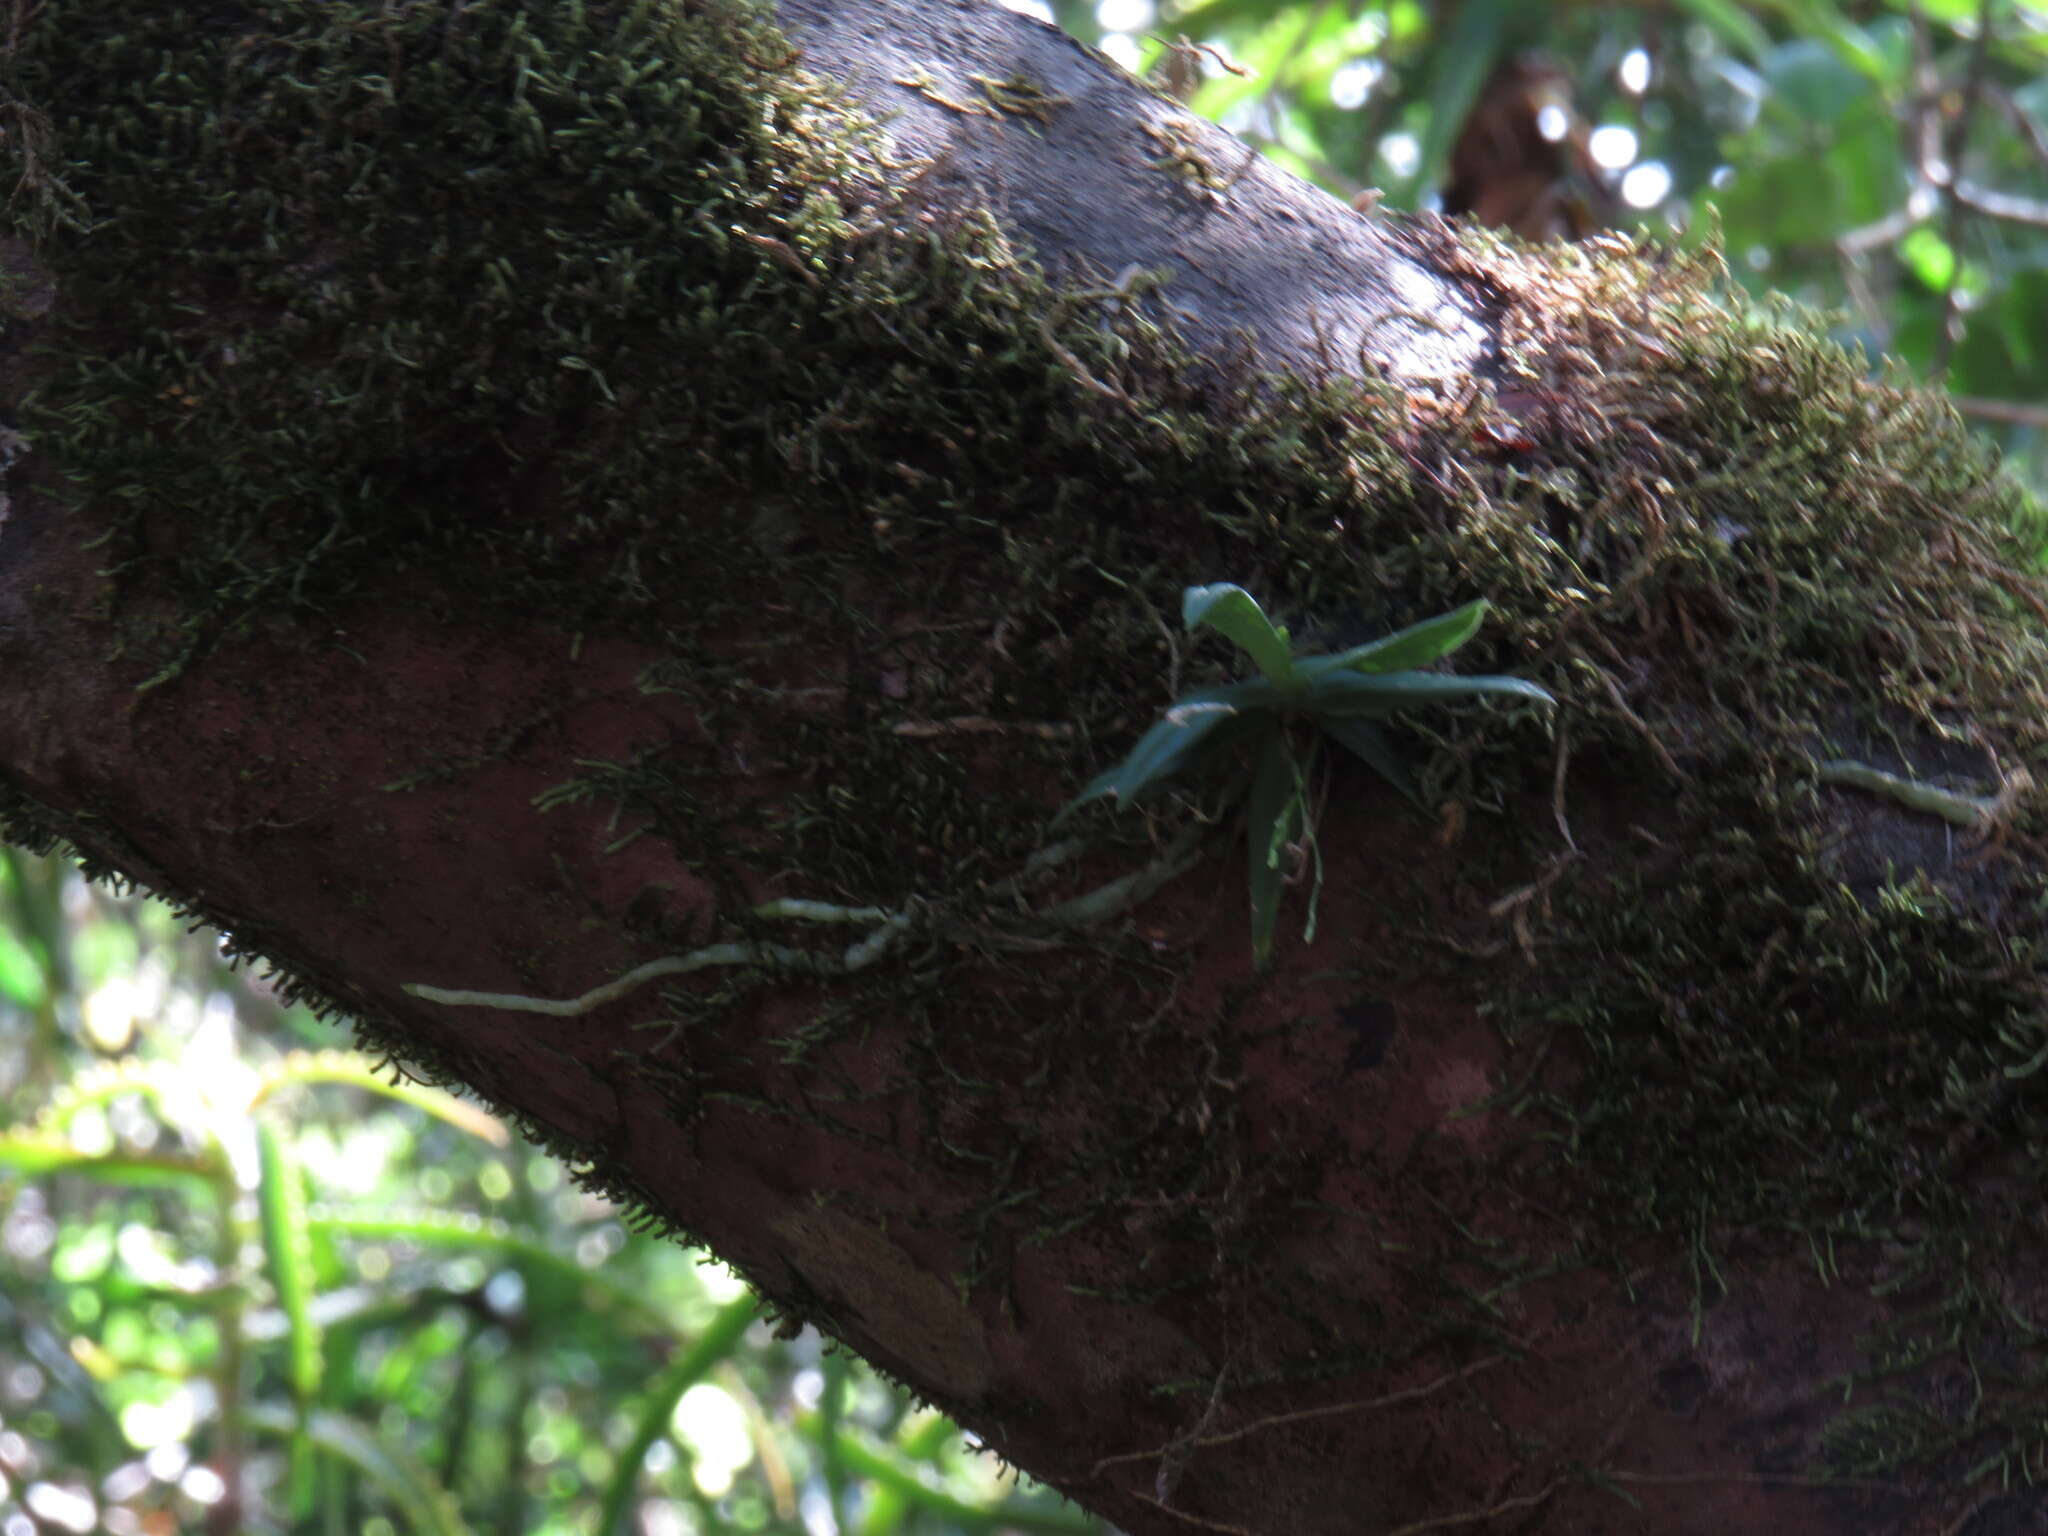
(505, 492)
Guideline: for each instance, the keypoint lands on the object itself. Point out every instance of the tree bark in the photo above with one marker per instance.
(503, 494)
(1253, 259)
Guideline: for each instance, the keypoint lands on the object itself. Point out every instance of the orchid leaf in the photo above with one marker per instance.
(1165, 749)
(1416, 646)
(1349, 693)
(1235, 613)
(1341, 694)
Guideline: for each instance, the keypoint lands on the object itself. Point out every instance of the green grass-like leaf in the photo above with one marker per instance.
(281, 1203)
(714, 1342)
(288, 1252)
(899, 1490)
(301, 1068)
(429, 1509)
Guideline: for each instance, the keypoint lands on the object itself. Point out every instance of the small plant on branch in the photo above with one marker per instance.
(1342, 696)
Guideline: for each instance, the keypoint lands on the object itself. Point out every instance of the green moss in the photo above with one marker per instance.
(600, 313)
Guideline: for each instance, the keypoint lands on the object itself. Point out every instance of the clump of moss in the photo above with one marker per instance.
(437, 273)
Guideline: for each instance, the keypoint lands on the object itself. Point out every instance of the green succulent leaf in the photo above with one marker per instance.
(1235, 613)
(1190, 721)
(1416, 646)
(1273, 819)
(1367, 742)
(1349, 693)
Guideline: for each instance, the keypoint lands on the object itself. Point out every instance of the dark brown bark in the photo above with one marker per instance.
(1276, 265)
(1285, 1322)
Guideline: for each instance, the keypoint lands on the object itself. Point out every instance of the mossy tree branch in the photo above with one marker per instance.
(504, 492)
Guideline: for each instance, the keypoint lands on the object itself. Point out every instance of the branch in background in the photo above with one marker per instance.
(2003, 206)
(2001, 410)
(2022, 122)
(1947, 333)
(1920, 206)
(1938, 185)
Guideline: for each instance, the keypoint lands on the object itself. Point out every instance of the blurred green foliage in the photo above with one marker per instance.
(249, 1284)
(1883, 162)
